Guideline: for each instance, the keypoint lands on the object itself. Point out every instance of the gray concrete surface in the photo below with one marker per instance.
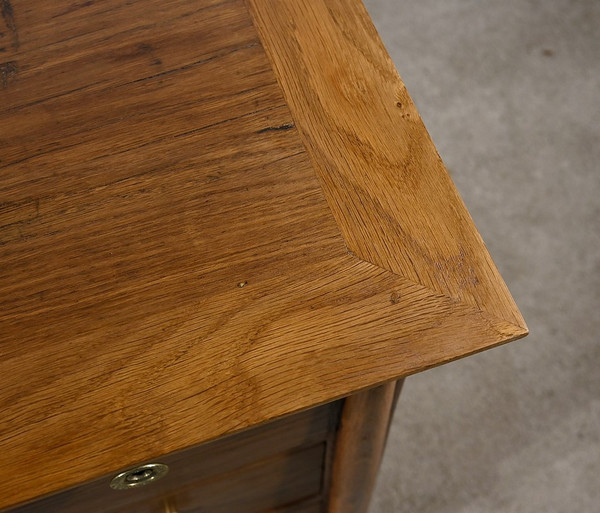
(510, 91)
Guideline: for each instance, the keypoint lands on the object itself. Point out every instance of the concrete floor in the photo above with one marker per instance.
(510, 91)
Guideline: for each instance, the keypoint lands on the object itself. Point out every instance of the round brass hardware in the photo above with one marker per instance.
(138, 476)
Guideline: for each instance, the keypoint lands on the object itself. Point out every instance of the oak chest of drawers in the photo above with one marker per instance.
(225, 238)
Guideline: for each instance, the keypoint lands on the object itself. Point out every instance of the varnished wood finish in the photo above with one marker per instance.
(378, 167)
(266, 485)
(214, 462)
(176, 213)
(360, 443)
(308, 506)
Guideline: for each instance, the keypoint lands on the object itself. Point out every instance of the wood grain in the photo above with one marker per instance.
(381, 174)
(210, 461)
(314, 505)
(174, 231)
(265, 485)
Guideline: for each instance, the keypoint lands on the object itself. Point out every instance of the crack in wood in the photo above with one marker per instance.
(287, 126)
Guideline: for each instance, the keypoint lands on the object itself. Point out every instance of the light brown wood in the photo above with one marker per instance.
(198, 236)
(378, 167)
(361, 439)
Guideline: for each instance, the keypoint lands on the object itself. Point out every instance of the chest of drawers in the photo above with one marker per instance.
(225, 235)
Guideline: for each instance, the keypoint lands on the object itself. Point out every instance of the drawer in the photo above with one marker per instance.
(265, 467)
(282, 480)
(280, 484)
(313, 505)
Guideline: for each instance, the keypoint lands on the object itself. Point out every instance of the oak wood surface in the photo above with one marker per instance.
(381, 174)
(199, 235)
(214, 460)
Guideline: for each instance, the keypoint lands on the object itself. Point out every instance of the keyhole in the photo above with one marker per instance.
(140, 475)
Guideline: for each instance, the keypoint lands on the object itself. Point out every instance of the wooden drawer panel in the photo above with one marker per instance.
(288, 483)
(260, 451)
(313, 505)
(269, 484)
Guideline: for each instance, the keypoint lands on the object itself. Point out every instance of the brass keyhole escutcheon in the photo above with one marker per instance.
(138, 476)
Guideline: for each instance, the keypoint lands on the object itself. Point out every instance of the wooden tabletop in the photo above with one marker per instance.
(212, 214)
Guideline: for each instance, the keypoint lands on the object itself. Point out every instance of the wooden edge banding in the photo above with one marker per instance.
(384, 181)
(362, 435)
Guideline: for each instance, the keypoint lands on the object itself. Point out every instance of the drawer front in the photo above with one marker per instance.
(314, 505)
(251, 472)
(270, 484)
(267, 486)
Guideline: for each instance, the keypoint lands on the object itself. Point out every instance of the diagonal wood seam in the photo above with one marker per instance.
(513, 330)
(510, 330)
(507, 331)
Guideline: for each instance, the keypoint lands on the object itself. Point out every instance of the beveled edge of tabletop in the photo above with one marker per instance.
(385, 183)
